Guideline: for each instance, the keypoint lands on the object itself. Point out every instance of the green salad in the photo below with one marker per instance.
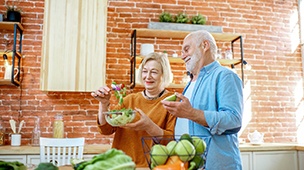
(123, 116)
(120, 117)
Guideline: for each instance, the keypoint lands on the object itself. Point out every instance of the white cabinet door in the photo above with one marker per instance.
(247, 160)
(11, 158)
(33, 159)
(275, 160)
(301, 160)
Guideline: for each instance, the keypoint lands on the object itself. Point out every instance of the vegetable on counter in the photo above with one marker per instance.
(113, 159)
(46, 166)
(12, 165)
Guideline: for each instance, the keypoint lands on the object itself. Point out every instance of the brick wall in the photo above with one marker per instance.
(273, 106)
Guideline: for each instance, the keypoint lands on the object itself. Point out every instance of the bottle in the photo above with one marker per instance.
(36, 133)
(175, 55)
(228, 54)
(58, 131)
(2, 133)
(8, 68)
(219, 54)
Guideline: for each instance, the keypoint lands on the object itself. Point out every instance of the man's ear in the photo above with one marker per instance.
(205, 45)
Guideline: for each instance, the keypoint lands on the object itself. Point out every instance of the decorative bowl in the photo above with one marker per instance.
(188, 157)
(120, 117)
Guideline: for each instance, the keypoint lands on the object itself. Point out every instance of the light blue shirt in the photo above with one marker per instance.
(219, 93)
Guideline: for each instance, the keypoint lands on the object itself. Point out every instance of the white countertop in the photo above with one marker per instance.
(96, 149)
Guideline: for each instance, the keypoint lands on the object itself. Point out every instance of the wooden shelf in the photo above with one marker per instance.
(172, 85)
(15, 53)
(224, 62)
(10, 25)
(171, 59)
(229, 62)
(9, 54)
(152, 33)
(157, 33)
(9, 82)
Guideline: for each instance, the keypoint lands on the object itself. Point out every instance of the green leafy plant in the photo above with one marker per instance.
(165, 17)
(181, 18)
(13, 7)
(198, 19)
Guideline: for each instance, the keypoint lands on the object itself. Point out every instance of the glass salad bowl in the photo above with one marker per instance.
(120, 117)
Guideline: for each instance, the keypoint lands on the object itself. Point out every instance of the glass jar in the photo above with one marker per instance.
(58, 131)
(228, 54)
(2, 133)
(36, 133)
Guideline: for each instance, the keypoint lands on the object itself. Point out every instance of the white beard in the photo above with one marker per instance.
(193, 62)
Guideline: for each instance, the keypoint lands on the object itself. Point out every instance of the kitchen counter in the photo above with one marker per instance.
(34, 150)
(247, 147)
(96, 149)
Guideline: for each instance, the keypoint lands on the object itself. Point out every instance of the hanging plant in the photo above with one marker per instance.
(165, 17)
(13, 13)
(198, 19)
(181, 18)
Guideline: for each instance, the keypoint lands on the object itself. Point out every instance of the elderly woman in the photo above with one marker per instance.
(151, 120)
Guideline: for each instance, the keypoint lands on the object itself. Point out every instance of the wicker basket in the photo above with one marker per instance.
(148, 142)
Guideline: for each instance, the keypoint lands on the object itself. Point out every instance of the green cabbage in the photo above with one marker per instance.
(113, 159)
(12, 165)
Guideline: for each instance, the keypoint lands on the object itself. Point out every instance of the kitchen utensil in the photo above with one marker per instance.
(16, 139)
(20, 126)
(13, 125)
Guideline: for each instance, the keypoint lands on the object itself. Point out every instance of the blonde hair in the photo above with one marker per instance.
(165, 66)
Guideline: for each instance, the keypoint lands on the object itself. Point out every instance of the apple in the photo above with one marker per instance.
(185, 150)
(199, 144)
(159, 154)
(186, 136)
(197, 162)
(171, 147)
(171, 98)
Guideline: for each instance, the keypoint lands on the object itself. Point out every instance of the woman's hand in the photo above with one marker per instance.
(103, 95)
(146, 124)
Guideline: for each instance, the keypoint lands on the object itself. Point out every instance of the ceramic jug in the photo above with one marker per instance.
(255, 137)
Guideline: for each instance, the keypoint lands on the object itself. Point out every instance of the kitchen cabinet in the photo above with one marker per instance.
(74, 46)
(301, 160)
(14, 55)
(11, 158)
(33, 159)
(278, 160)
(246, 160)
(155, 33)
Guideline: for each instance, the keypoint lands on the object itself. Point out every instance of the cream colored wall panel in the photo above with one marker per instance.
(74, 45)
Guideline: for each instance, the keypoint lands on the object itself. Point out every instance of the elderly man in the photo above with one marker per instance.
(211, 104)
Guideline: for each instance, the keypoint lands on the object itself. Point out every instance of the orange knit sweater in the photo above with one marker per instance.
(130, 141)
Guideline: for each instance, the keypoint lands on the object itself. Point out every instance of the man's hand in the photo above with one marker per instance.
(180, 108)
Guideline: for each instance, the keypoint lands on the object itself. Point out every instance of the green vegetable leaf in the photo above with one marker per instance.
(113, 159)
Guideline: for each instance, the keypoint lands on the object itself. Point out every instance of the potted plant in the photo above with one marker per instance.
(198, 19)
(181, 18)
(165, 17)
(13, 13)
